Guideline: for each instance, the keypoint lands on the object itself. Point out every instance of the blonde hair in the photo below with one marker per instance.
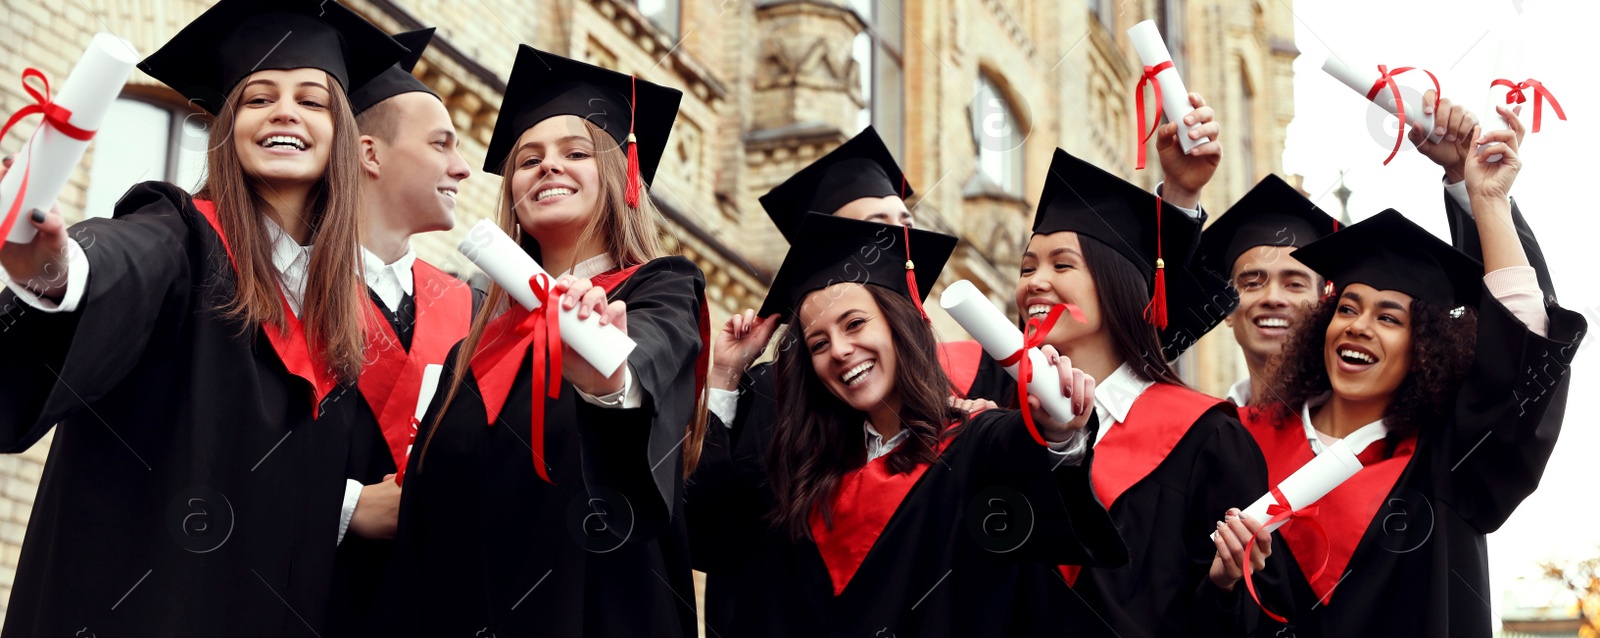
(333, 312)
(629, 235)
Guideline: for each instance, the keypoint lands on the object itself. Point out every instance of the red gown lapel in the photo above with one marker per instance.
(1345, 513)
(290, 341)
(391, 380)
(960, 360)
(1131, 450)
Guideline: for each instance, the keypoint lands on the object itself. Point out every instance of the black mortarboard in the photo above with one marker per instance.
(396, 79)
(235, 38)
(1082, 198)
(829, 250)
(1271, 214)
(544, 85)
(1390, 252)
(860, 167)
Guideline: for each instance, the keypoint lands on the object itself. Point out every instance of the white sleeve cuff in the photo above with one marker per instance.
(1193, 213)
(1071, 451)
(1458, 192)
(724, 404)
(352, 494)
(77, 279)
(628, 398)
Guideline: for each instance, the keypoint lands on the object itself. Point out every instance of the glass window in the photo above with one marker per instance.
(1247, 120)
(878, 50)
(664, 13)
(142, 141)
(998, 133)
(1106, 12)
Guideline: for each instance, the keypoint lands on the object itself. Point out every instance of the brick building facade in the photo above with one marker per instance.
(973, 95)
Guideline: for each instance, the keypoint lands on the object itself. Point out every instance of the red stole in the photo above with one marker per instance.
(289, 341)
(864, 501)
(1131, 450)
(391, 380)
(1345, 513)
(960, 360)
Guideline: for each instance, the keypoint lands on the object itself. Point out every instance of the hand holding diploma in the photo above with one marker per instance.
(1170, 93)
(1454, 125)
(1189, 169)
(1076, 385)
(1234, 532)
(40, 264)
(589, 301)
(1378, 85)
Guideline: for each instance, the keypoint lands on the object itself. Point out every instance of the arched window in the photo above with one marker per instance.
(879, 52)
(998, 134)
(142, 140)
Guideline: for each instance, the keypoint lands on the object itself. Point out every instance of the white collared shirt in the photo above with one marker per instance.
(1114, 397)
(292, 261)
(1239, 394)
(877, 446)
(1316, 439)
(391, 282)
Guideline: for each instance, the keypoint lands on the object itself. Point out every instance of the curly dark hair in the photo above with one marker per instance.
(1442, 347)
(817, 437)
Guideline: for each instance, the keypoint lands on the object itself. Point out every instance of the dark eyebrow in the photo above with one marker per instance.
(1251, 274)
(846, 315)
(1393, 305)
(563, 140)
(1056, 251)
(1352, 296)
(268, 82)
(449, 134)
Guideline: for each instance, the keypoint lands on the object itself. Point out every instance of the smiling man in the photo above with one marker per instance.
(1250, 246)
(411, 172)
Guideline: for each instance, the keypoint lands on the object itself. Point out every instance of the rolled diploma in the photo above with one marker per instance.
(604, 347)
(1362, 79)
(1174, 97)
(990, 328)
(1309, 483)
(1507, 62)
(49, 156)
(430, 385)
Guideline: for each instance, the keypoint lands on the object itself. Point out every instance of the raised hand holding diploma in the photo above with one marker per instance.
(1454, 124)
(1189, 170)
(39, 264)
(1378, 85)
(1171, 96)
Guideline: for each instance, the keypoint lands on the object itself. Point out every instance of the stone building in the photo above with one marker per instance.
(973, 96)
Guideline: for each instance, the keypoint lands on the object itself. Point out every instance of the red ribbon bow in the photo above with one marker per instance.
(1033, 336)
(1386, 79)
(1540, 94)
(544, 324)
(57, 116)
(1150, 73)
(1281, 511)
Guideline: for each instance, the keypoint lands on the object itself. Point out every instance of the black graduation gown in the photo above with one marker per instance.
(486, 547)
(189, 490)
(1421, 567)
(1166, 518)
(935, 570)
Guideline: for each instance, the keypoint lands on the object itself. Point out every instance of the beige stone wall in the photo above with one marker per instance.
(769, 86)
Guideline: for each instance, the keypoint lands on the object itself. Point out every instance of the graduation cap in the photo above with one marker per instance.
(830, 250)
(1271, 214)
(235, 38)
(1390, 252)
(1082, 198)
(396, 79)
(544, 85)
(860, 167)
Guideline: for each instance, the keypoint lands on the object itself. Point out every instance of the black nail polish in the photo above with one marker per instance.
(8, 158)
(38, 216)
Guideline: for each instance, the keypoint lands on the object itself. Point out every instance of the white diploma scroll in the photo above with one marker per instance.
(1315, 479)
(49, 156)
(1361, 79)
(990, 328)
(1507, 64)
(1152, 51)
(604, 347)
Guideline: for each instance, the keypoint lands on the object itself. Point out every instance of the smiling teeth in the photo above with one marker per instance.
(1273, 322)
(284, 140)
(1358, 356)
(1038, 310)
(554, 192)
(448, 193)
(852, 375)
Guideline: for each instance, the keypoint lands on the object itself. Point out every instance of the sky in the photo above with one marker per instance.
(1459, 40)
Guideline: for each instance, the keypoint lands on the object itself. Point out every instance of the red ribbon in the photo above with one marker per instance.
(545, 326)
(1150, 73)
(1281, 511)
(57, 116)
(1540, 94)
(1033, 336)
(1386, 79)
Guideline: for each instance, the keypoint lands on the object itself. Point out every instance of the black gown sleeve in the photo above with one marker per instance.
(138, 288)
(1229, 472)
(638, 452)
(728, 495)
(1071, 526)
(1464, 237)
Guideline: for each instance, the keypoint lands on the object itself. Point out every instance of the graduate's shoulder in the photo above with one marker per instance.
(438, 275)
(155, 198)
(669, 267)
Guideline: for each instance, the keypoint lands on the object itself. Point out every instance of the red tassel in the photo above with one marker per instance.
(911, 277)
(1156, 312)
(635, 181)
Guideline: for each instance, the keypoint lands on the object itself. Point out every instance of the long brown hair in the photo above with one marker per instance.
(1442, 347)
(1124, 293)
(630, 236)
(333, 307)
(817, 437)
